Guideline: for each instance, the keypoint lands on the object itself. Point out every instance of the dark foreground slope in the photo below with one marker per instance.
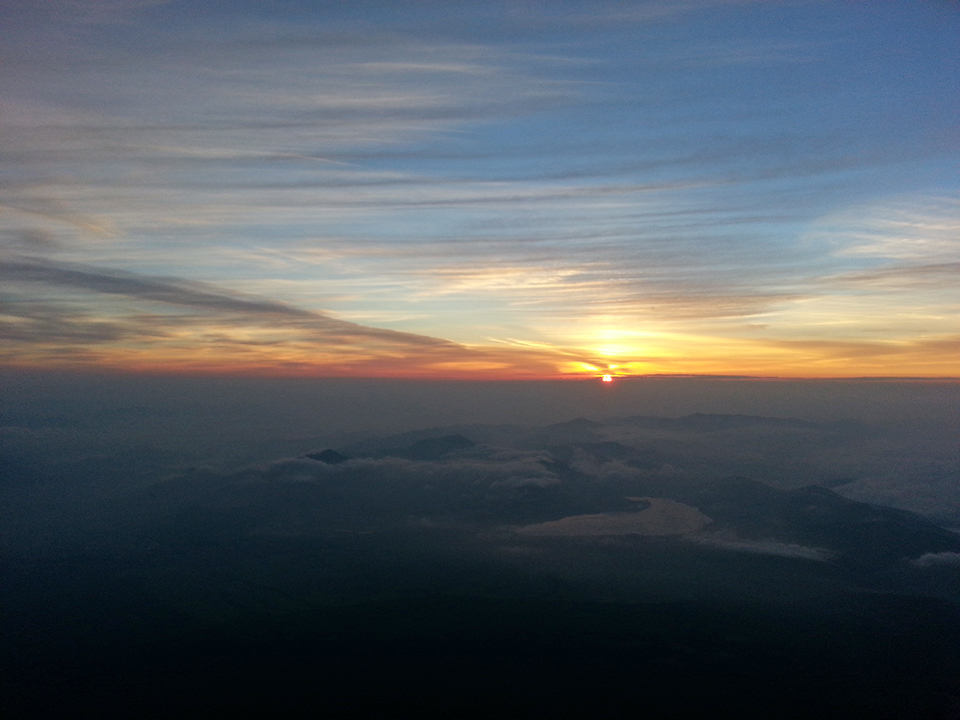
(465, 655)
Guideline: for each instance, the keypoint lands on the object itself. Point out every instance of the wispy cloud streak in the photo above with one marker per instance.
(192, 294)
(646, 179)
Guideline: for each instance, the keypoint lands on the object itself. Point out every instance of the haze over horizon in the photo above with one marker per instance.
(505, 190)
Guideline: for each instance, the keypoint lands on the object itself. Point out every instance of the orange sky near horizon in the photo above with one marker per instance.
(222, 352)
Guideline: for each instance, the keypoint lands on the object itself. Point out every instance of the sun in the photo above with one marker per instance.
(607, 378)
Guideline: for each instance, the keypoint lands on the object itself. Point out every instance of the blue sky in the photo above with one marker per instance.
(521, 188)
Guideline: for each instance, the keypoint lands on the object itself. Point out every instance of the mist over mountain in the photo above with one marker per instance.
(160, 561)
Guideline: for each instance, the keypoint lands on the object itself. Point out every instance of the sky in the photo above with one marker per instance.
(498, 190)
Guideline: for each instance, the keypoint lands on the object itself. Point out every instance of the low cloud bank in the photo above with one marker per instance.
(662, 517)
(498, 469)
(767, 547)
(930, 487)
(940, 559)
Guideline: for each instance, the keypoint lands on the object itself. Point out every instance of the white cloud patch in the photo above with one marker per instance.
(765, 547)
(504, 471)
(662, 517)
(941, 559)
